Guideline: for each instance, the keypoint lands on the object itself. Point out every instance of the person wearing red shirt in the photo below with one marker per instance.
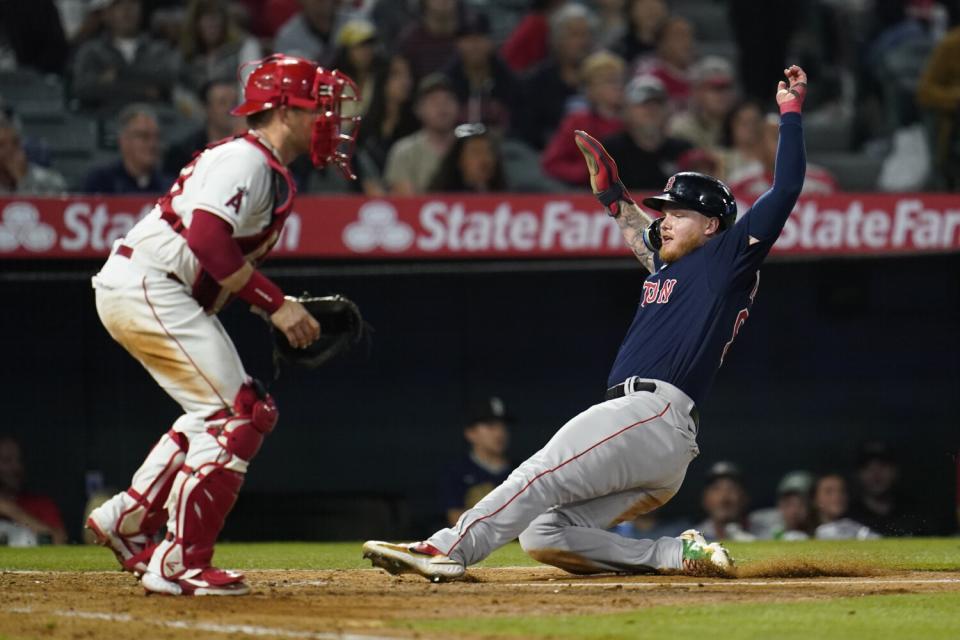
(602, 78)
(34, 518)
(528, 43)
(671, 62)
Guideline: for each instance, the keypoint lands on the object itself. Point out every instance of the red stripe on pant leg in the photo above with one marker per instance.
(543, 473)
(180, 346)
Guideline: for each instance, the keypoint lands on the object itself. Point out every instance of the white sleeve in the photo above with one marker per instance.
(231, 183)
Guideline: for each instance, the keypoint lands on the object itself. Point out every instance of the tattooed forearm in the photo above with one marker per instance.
(633, 220)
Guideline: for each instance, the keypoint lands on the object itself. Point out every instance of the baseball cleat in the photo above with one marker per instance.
(604, 176)
(209, 581)
(699, 555)
(133, 553)
(412, 557)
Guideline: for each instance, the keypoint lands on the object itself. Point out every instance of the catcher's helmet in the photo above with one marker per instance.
(288, 81)
(698, 192)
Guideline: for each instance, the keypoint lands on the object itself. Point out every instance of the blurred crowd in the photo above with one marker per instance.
(862, 503)
(865, 502)
(482, 95)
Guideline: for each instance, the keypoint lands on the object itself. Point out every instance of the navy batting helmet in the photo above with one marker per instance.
(700, 193)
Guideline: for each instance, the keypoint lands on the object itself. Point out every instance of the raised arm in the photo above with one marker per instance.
(770, 212)
(605, 181)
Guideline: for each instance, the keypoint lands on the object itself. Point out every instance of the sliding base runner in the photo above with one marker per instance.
(628, 454)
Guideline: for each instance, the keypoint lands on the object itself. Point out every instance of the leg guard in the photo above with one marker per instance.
(128, 522)
(206, 487)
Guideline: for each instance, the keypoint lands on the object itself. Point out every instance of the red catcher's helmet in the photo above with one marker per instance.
(287, 81)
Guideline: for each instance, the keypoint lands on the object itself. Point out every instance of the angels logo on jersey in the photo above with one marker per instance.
(236, 200)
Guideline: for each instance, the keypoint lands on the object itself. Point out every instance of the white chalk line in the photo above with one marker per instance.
(733, 582)
(245, 629)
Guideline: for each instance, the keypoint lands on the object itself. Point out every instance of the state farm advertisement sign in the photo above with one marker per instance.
(504, 226)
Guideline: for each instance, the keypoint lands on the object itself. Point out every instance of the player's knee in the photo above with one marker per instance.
(241, 432)
(545, 532)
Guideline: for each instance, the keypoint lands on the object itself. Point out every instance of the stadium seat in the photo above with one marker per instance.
(709, 20)
(853, 171)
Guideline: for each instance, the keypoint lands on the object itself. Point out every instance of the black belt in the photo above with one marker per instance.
(632, 386)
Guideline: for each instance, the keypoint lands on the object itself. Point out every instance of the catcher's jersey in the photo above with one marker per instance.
(239, 180)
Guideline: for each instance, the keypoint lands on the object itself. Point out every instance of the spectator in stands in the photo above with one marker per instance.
(473, 164)
(742, 140)
(393, 18)
(671, 60)
(879, 504)
(309, 34)
(644, 152)
(791, 518)
(725, 501)
(413, 160)
(488, 91)
(389, 119)
(219, 97)
(831, 501)
(529, 42)
(554, 83)
(711, 99)
(431, 42)
(124, 64)
(138, 168)
(31, 37)
(612, 22)
(754, 180)
(266, 17)
(485, 466)
(17, 173)
(645, 21)
(602, 75)
(212, 45)
(939, 91)
(359, 56)
(25, 519)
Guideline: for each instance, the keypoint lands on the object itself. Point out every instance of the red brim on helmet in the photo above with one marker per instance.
(249, 108)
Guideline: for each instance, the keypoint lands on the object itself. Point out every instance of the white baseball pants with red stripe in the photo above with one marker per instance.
(616, 460)
(190, 356)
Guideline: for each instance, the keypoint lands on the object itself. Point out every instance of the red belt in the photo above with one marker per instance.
(125, 251)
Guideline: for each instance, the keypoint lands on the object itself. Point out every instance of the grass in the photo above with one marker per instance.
(919, 554)
(888, 617)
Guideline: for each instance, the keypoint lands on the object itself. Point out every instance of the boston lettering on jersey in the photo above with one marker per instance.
(691, 310)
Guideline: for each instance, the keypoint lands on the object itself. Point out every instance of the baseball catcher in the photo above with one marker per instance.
(158, 295)
(628, 454)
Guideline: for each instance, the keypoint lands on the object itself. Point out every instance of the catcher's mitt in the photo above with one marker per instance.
(341, 327)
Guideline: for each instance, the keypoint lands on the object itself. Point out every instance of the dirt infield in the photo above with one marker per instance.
(364, 604)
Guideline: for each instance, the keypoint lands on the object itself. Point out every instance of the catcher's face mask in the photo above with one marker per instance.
(287, 81)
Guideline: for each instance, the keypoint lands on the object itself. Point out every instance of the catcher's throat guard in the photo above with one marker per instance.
(341, 327)
(288, 81)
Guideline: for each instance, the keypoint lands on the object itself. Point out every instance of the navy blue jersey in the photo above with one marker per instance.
(466, 482)
(691, 310)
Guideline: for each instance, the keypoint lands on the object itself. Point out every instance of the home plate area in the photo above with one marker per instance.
(366, 604)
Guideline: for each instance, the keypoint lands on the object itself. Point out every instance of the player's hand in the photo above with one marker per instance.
(790, 94)
(296, 323)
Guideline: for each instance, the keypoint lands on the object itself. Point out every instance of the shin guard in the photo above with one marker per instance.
(206, 488)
